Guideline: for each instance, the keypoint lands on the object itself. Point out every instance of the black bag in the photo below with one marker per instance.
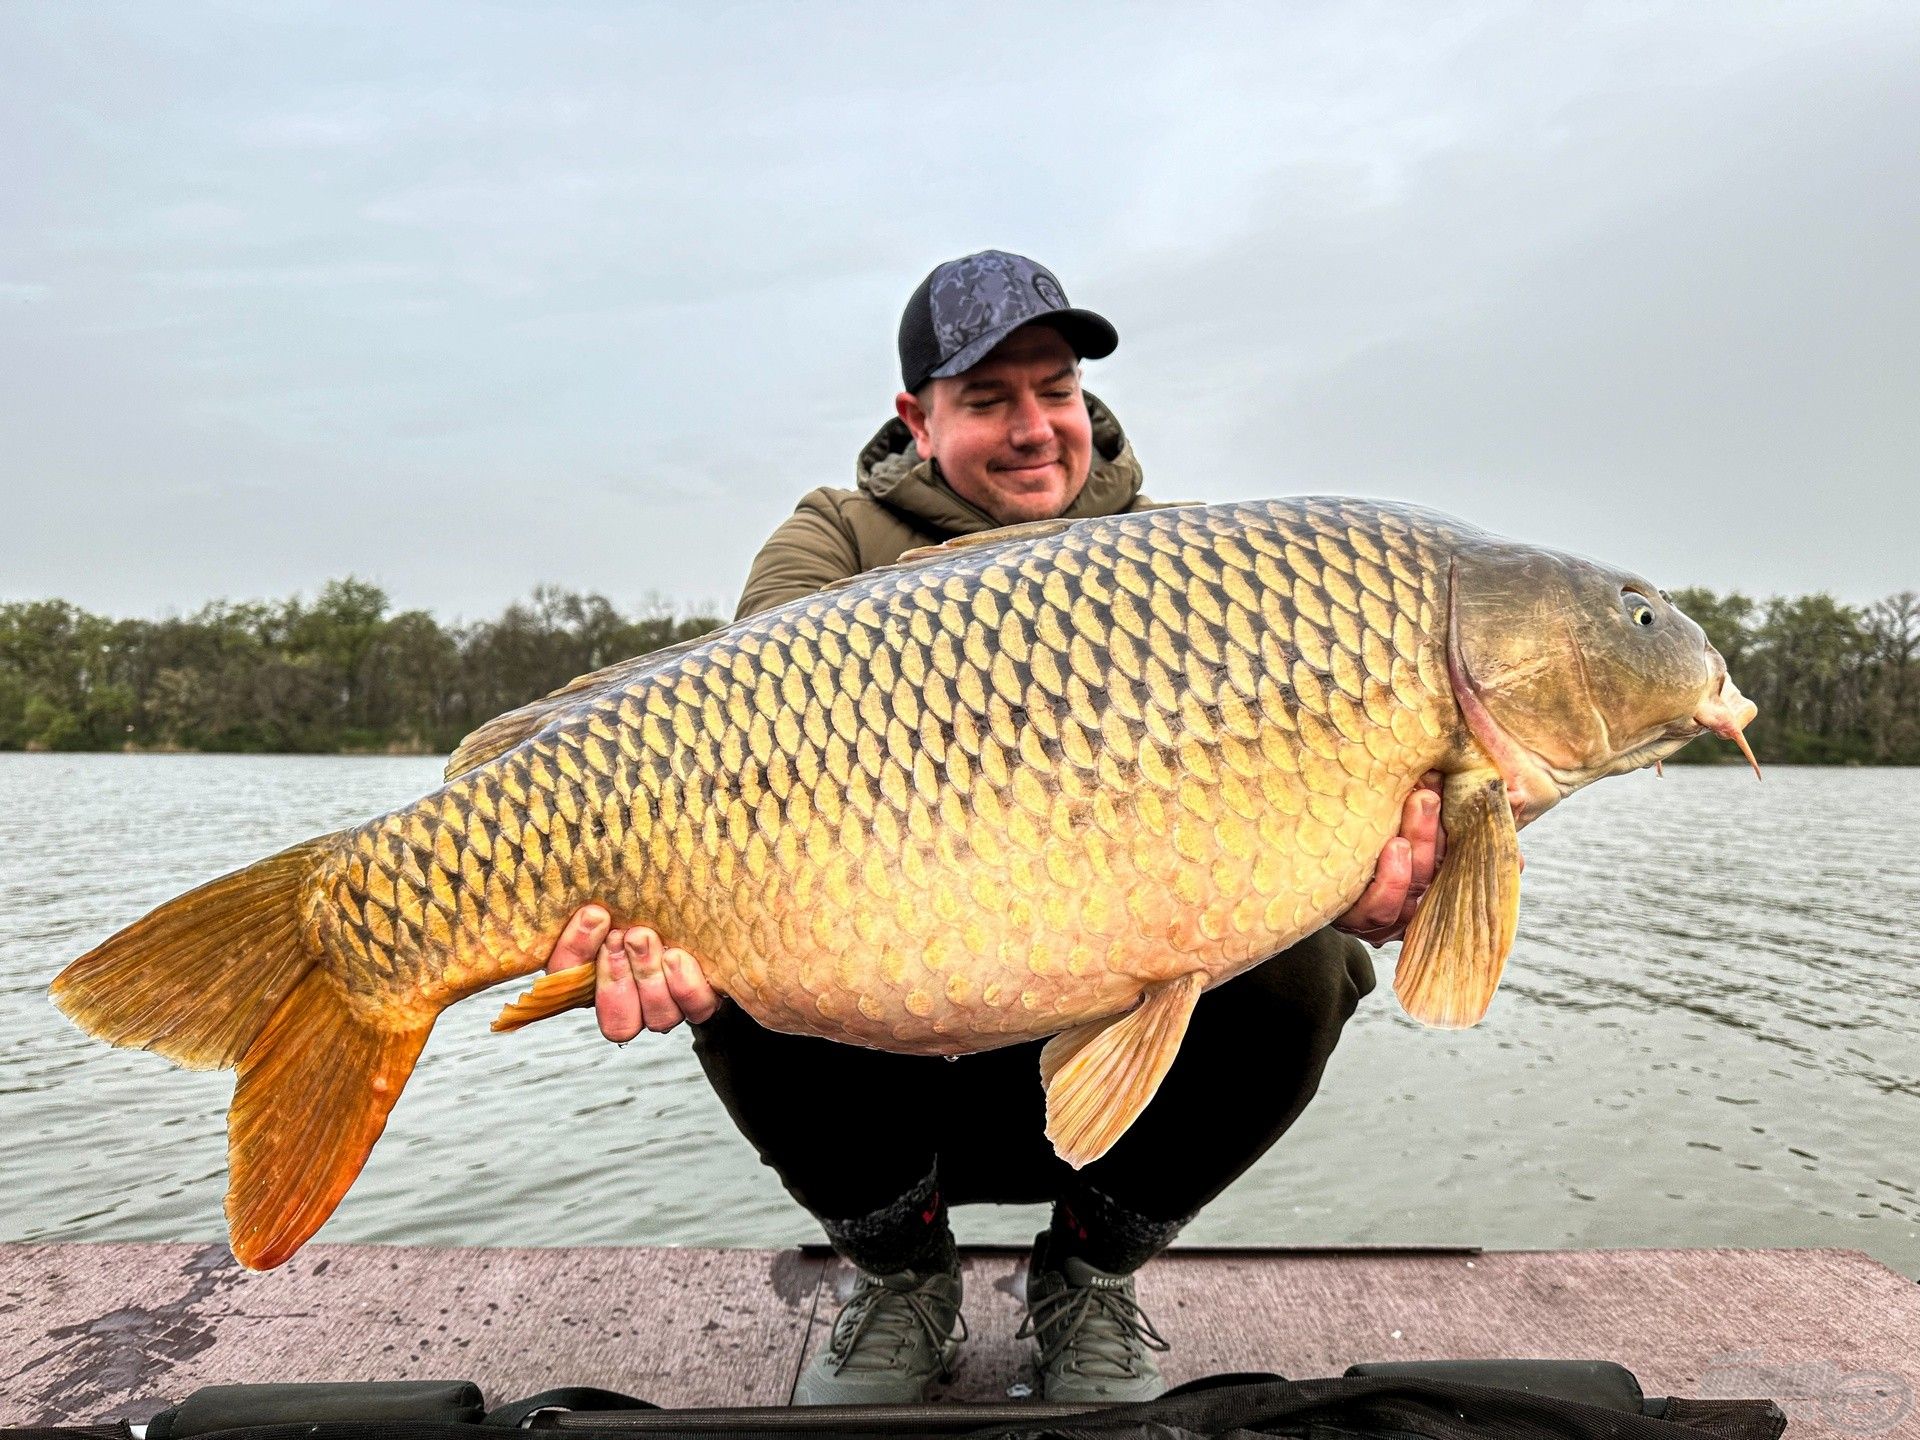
(1422, 1400)
(1441, 1400)
(215, 1408)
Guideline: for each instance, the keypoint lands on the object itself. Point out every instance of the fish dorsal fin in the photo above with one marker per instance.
(1457, 944)
(1004, 535)
(1099, 1077)
(503, 732)
(960, 544)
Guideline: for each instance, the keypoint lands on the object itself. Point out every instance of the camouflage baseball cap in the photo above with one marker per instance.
(968, 306)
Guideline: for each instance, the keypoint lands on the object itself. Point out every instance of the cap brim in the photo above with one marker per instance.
(1091, 336)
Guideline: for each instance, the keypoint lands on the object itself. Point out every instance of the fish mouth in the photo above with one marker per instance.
(1727, 713)
(1724, 711)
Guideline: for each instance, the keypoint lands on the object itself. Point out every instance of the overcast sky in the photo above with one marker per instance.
(461, 298)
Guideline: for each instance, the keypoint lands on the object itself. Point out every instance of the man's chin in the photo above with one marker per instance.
(1015, 506)
(1019, 510)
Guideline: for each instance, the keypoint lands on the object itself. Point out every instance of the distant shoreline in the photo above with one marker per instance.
(344, 673)
(399, 750)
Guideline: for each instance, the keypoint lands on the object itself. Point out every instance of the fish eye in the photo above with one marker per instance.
(1639, 608)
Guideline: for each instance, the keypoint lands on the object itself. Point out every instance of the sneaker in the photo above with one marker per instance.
(890, 1341)
(1094, 1341)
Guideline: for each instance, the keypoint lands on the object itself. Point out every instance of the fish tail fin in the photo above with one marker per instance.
(553, 994)
(197, 979)
(232, 976)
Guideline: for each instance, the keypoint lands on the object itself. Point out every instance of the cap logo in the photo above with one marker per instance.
(1049, 291)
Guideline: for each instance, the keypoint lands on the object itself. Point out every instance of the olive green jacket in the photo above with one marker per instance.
(902, 502)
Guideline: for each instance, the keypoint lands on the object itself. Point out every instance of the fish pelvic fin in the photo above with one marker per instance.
(199, 978)
(563, 990)
(314, 1092)
(1100, 1076)
(1456, 946)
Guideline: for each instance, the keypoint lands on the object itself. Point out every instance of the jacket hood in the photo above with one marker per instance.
(891, 471)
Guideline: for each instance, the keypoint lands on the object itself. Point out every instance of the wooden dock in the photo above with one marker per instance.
(97, 1332)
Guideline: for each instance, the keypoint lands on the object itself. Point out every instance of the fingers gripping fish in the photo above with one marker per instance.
(1050, 781)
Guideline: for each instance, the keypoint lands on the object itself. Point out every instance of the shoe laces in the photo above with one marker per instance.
(1100, 1324)
(880, 1322)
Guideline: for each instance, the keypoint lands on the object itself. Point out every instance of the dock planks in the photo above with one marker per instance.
(106, 1331)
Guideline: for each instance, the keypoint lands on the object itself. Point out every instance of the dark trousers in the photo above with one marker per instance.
(856, 1133)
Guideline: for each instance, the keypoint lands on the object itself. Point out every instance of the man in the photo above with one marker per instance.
(991, 428)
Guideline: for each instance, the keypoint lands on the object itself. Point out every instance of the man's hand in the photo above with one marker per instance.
(1405, 870)
(638, 984)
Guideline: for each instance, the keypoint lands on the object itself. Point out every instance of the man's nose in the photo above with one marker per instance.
(1029, 424)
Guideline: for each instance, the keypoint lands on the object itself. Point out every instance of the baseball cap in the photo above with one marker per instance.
(967, 306)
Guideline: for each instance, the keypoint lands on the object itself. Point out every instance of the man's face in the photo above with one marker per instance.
(1012, 434)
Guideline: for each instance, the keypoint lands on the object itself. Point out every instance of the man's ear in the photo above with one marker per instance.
(908, 407)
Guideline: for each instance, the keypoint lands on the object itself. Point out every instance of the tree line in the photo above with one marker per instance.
(1836, 684)
(347, 672)
(342, 672)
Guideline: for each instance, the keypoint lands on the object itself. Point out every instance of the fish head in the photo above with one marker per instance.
(1567, 670)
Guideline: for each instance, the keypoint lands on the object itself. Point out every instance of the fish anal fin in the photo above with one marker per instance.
(1100, 1076)
(313, 1095)
(1456, 946)
(550, 995)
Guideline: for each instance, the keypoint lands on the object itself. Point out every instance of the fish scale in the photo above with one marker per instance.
(966, 802)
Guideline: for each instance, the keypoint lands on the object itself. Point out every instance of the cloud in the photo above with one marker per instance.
(477, 297)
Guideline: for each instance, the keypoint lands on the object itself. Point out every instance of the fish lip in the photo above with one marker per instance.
(1727, 713)
(1724, 710)
(1533, 786)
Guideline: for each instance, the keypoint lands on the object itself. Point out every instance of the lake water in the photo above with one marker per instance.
(1709, 1035)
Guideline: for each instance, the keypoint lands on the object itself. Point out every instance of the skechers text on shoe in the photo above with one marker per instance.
(1095, 1343)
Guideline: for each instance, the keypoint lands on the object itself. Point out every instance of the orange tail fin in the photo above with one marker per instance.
(228, 977)
(314, 1093)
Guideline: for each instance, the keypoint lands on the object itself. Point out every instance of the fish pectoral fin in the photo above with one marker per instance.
(1099, 1077)
(1457, 944)
(562, 990)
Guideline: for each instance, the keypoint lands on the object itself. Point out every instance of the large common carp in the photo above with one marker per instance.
(1053, 780)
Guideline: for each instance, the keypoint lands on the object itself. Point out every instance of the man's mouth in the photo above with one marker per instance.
(1036, 468)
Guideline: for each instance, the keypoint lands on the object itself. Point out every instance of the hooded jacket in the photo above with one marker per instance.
(903, 501)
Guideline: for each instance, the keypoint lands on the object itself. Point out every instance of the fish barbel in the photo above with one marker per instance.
(1054, 780)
